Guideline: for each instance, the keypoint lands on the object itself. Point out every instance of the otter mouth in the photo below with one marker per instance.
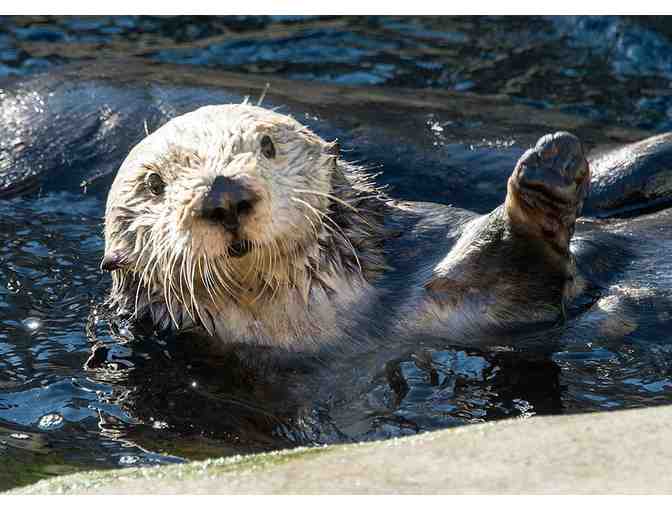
(239, 248)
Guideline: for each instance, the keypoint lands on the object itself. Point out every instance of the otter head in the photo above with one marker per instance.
(216, 206)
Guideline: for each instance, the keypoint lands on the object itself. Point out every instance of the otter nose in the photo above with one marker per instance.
(227, 201)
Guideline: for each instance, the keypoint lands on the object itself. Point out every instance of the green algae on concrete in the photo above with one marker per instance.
(208, 469)
(31, 467)
(26, 457)
(618, 452)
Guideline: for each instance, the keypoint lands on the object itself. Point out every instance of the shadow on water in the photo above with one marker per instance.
(79, 391)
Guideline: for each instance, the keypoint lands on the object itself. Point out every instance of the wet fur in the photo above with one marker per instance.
(353, 265)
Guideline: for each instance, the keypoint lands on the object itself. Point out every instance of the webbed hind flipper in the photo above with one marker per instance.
(513, 267)
(546, 191)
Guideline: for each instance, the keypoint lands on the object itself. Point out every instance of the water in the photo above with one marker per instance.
(153, 402)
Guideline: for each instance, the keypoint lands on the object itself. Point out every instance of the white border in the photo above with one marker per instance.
(353, 7)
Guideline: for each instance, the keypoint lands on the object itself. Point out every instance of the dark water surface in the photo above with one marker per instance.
(155, 402)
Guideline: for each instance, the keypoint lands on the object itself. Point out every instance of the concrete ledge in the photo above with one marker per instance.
(619, 452)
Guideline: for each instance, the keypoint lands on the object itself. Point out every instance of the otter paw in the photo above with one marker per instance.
(547, 187)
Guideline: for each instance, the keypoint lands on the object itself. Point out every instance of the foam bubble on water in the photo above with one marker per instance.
(51, 422)
(129, 460)
(32, 324)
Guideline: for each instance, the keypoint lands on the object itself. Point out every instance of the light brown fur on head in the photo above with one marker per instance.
(312, 226)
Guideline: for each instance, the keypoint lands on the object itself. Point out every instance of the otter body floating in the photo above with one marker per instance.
(380, 269)
(243, 224)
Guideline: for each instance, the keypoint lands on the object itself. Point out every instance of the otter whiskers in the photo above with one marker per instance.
(320, 216)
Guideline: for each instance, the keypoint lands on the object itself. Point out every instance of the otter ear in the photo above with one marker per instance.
(333, 148)
(115, 259)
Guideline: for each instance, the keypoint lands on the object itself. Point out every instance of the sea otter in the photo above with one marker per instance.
(243, 224)
(619, 301)
(109, 107)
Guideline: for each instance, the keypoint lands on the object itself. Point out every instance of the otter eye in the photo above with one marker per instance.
(267, 147)
(155, 183)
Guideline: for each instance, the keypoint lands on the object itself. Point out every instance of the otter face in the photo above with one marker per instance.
(214, 195)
